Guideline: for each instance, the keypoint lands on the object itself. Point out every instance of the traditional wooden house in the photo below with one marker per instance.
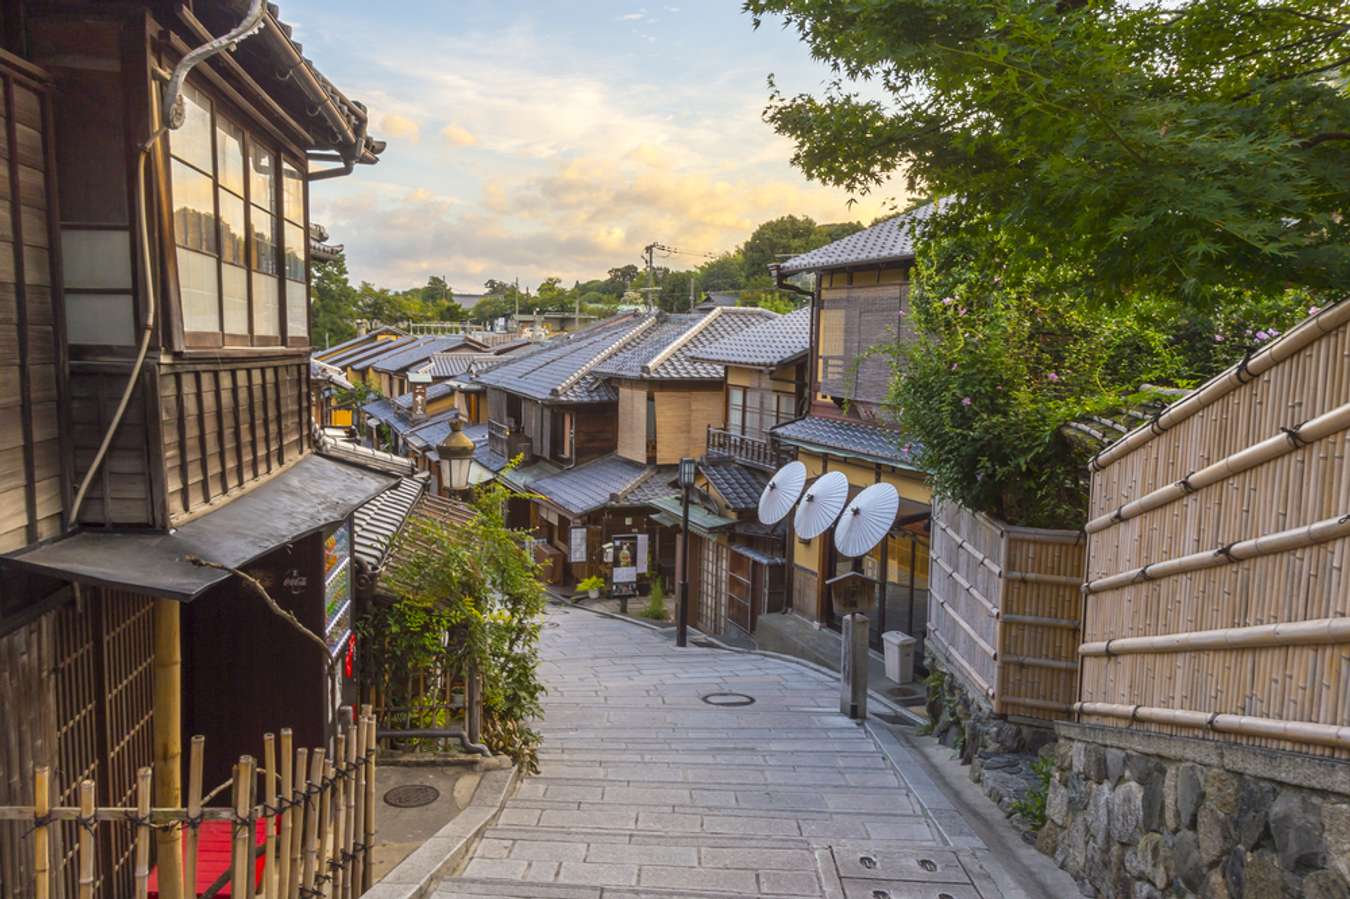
(388, 372)
(156, 399)
(859, 305)
(364, 339)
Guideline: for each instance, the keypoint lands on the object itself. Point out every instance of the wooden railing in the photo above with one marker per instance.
(749, 450)
(1005, 610)
(508, 441)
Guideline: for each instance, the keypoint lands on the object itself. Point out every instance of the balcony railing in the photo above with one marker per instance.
(754, 451)
(508, 441)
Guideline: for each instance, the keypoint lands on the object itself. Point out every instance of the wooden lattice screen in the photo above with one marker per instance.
(1005, 610)
(1218, 604)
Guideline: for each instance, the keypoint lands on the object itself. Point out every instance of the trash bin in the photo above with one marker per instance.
(899, 656)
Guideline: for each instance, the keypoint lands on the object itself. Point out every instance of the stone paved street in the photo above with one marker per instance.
(647, 790)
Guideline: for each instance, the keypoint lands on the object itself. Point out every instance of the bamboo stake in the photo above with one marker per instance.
(312, 820)
(325, 875)
(142, 833)
(358, 744)
(283, 880)
(243, 779)
(270, 802)
(196, 752)
(368, 828)
(295, 877)
(87, 839)
(41, 836)
(339, 815)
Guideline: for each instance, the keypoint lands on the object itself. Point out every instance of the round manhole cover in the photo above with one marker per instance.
(728, 699)
(412, 796)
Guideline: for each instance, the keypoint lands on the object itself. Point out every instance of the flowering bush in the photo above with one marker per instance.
(1000, 366)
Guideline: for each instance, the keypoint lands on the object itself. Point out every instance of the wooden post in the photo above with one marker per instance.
(194, 811)
(243, 779)
(42, 807)
(325, 875)
(269, 798)
(168, 739)
(142, 833)
(368, 826)
(340, 813)
(281, 885)
(86, 839)
(359, 810)
(312, 820)
(349, 832)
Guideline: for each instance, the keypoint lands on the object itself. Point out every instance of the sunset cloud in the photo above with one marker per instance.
(400, 127)
(458, 136)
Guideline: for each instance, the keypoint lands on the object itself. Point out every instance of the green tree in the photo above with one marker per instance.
(726, 272)
(333, 303)
(1180, 147)
(772, 241)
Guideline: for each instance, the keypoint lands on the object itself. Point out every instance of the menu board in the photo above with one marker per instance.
(337, 588)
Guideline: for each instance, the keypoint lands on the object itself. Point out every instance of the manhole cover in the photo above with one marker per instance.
(412, 796)
(550, 624)
(728, 699)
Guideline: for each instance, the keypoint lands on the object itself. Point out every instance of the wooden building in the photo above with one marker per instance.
(859, 305)
(156, 400)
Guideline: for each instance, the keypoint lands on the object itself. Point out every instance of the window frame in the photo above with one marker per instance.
(220, 111)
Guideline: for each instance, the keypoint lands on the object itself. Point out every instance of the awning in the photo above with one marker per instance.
(313, 494)
(701, 521)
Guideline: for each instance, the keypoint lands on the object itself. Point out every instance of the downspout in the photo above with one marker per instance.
(778, 282)
(348, 160)
(176, 114)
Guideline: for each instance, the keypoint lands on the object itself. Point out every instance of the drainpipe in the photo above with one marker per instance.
(775, 269)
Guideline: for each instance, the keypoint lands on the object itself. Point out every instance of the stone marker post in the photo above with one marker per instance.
(853, 667)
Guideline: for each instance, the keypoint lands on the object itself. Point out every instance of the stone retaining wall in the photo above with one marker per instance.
(1152, 816)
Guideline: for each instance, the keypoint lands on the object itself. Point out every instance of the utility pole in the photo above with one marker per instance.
(651, 273)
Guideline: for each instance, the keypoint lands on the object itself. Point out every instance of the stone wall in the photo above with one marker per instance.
(1147, 816)
(1001, 753)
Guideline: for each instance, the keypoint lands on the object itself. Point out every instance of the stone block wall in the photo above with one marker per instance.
(1148, 816)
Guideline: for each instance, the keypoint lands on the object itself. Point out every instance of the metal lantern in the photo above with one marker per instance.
(456, 452)
(687, 468)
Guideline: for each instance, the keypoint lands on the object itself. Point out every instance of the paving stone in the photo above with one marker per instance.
(789, 883)
(683, 856)
(698, 878)
(496, 867)
(598, 874)
(776, 859)
(548, 850)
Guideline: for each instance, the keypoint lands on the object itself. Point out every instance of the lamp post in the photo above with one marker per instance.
(456, 455)
(687, 467)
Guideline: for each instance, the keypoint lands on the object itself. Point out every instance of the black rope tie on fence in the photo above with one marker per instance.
(1186, 486)
(1134, 713)
(1243, 375)
(1213, 716)
(1118, 515)
(88, 825)
(1107, 648)
(1142, 573)
(1227, 552)
(308, 893)
(1154, 424)
(38, 821)
(192, 822)
(1292, 435)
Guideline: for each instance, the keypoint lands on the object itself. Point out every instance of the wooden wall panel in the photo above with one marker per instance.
(633, 421)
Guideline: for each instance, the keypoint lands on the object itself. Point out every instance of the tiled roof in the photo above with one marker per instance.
(420, 350)
(322, 371)
(363, 355)
(772, 342)
(436, 391)
(590, 486)
(739, 485)
(550, 372)
(429, 433)
(448, 365)
(887, 241)
(656, 485)
(378, 522)
(482, 449)
(851, 437)
(381, 410)
(346, 450)
(352, 343)
(688, 335)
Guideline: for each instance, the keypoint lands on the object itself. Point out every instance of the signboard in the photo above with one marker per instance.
(642, 553)
(337, 588)
(577, 545)
(625, 560)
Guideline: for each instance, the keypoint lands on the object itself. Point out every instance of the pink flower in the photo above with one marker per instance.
(961, 311)
(966, 401)
(1218, 338)
(947, 301)
(1274, 333)
(1313, 310)
(907, 447)
(1052, 376)
(1262, 335)
(953, 366)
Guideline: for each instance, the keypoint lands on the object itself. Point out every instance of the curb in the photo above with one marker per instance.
(872, 695)
(439, 856)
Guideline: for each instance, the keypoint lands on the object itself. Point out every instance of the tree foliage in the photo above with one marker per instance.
(1184, 147)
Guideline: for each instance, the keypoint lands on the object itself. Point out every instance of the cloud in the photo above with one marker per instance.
(632, 17)
(401, 127)
(458, 136)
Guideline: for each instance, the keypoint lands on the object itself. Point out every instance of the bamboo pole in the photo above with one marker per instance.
(269, 805)
(142, 872)
(296, 877)
(42, 862)
(368, 826)
(168, 739)
(1321, 631)
(286, 791)
(243, 780)
(86, 836)
(359, 808)
(339, 813)
(1247, 725)
(312, 821)
(349, 828)
(196, 753)
(325, 875)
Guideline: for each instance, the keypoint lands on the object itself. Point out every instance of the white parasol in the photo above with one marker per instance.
(781, 493)
(866, 520)
(820, 505)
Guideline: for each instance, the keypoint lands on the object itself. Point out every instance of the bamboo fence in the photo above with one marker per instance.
(1005, 610)
(1217, 603)
(318, 821)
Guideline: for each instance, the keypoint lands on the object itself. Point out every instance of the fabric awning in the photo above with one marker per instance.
(313, 494)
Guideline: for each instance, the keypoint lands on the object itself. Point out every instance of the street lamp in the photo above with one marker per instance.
(687, 469)
(456, 454)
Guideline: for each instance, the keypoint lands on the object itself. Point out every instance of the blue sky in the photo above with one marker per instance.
(537, 139)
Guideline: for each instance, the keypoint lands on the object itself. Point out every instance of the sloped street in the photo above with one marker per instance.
(649, 789)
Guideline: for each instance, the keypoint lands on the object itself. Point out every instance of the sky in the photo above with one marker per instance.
(537, 139)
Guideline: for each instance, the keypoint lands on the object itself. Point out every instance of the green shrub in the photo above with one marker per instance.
(1032, 805)
(655, 610)
(594, 582)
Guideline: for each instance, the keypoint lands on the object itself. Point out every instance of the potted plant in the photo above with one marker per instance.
(591, 586)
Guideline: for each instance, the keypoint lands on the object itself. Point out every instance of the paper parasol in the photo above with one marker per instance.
(781, 492)
(821, 504)
(866, 520)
